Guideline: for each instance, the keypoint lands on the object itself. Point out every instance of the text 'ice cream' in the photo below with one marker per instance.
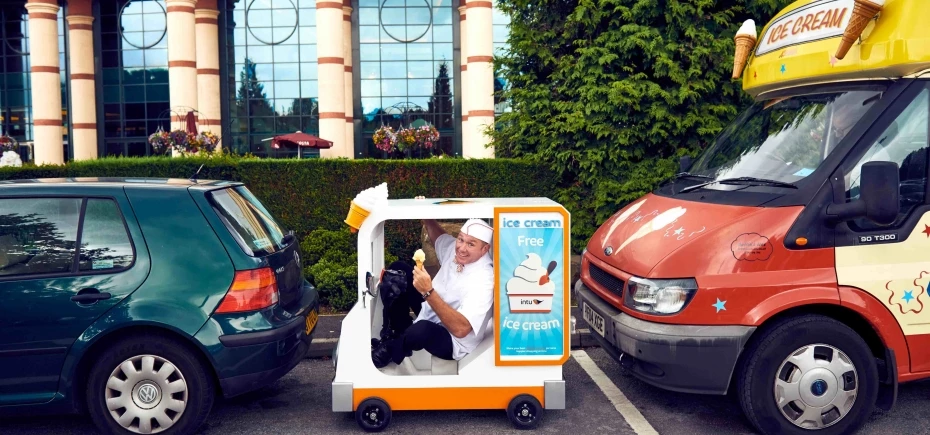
(530, 290)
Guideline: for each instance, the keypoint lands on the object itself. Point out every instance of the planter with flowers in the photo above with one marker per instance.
(406, 141)
(8, 152)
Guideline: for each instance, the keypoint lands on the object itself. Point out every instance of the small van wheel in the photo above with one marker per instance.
(148, 384)
(373, 414)
(525, 412)
(805, 375)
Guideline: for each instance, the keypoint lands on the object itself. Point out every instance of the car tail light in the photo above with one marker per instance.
(251, 290)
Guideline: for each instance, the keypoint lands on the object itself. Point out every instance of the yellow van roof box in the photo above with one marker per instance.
(805, 43)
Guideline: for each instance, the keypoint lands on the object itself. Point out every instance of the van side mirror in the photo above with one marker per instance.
(878, 195)
(684, 163)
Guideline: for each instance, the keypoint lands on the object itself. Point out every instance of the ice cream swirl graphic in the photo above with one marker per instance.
(530, 289)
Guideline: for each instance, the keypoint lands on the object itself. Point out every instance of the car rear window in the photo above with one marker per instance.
(249, 222)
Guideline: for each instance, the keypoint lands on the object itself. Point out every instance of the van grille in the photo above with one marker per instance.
(606, 280)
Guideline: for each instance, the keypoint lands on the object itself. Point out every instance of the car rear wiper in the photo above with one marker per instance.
(690, 175)
(742, 180)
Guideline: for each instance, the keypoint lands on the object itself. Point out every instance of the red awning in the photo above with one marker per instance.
(300, 139)
(191, 123)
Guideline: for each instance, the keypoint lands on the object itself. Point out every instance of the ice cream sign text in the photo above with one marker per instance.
(819, 20)
(531, 262)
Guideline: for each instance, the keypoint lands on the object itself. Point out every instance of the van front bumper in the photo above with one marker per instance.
(686, 358)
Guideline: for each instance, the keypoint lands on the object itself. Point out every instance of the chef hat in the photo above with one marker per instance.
(478, 229)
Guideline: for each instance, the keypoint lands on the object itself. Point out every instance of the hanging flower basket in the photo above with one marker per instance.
(160, 142)
(426, 136)
(385, 139)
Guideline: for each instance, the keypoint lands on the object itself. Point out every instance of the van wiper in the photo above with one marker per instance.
(742, 180)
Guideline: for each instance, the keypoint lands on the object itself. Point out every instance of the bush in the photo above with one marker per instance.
(314, 194)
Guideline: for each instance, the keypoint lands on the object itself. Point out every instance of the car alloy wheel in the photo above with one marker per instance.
(146, 394)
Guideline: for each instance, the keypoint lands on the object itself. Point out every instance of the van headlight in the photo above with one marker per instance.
(659, 296)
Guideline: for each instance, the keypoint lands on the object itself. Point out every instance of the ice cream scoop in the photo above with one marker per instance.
(419, 256)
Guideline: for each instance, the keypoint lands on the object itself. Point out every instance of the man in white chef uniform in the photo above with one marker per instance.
(455, 306)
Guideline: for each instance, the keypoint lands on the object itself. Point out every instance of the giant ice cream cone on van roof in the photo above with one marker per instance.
(863, 12)
(364, 203)
(745, 40)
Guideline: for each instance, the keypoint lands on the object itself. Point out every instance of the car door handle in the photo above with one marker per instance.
(89, 295)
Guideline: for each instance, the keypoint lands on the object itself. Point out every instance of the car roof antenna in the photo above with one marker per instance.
(194, 177)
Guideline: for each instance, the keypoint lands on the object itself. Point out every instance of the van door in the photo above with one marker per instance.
(893, 262)
(64, 262)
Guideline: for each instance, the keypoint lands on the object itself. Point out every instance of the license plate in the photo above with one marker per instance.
(311, 322)
(596, 321)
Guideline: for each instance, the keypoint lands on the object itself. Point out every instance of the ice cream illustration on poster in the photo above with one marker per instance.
(530, 290)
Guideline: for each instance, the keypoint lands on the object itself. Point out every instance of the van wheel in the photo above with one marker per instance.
(525, 412)
(373, 414)
(808, 374)
(148, 384)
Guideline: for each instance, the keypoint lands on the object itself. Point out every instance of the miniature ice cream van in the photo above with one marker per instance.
(790, 262)
(517, 367)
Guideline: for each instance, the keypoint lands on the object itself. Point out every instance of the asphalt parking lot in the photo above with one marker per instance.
(299, 403)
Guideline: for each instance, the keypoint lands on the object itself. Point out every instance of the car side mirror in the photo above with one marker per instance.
(878, 195)
(684, 163)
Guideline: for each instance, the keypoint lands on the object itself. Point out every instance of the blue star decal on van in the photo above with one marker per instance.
(720, 305)
(908, 296)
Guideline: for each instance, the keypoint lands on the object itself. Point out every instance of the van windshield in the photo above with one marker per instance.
(781, 141)
(249, 222)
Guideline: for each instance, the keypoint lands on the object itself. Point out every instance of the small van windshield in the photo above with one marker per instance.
(781, 141)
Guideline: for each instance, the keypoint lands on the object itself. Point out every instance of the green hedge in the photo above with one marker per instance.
(314, 194)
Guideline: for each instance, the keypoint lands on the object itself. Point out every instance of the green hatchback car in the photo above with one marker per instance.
(138, 301)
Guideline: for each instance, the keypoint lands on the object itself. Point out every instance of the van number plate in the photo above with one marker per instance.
(593, 319)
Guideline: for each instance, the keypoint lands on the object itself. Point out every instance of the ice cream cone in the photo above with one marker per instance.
(744, 44)
(863, 12)
(356, 216)
(419, 256)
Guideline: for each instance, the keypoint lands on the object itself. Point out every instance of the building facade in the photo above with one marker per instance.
(89, 78)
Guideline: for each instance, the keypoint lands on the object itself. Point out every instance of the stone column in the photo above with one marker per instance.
(465, 88)
(331, 76)
(48, 142)
(83, 96)
(182, 61)
(480, 78)
(347, 56)
(208, 67)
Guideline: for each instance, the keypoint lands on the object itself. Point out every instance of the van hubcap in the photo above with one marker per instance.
(816, 386)
(146, 394)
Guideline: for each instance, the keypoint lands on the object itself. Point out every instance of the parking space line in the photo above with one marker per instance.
(629, 412)
(325, 340)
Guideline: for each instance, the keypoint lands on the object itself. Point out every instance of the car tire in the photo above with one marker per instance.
(373, 414)
(149, 378)
(811, 364)
(525, 412)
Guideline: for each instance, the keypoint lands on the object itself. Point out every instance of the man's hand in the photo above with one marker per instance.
(421, 280)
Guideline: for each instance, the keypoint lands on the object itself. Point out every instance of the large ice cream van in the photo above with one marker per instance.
(789, 263)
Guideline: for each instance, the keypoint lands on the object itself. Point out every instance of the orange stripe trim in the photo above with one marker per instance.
(331, 60)
(84, 126)
(186, 9)
(182, 64)
(46, 69)
(208, 71)
(48, 2)
(480, 113)
(176, 118)
(348, 68)
(347, 3)
(463, 17)
(78, 26)
(349, 119)
(329, 5)
(432, 399)
(42, 16)
(206, 21)
(82, 76)
(332, 115)
(464, 117)
(347, 17)
(47, 122)
(480, 59)
(470, 5)
(465, 67)
(211, 122)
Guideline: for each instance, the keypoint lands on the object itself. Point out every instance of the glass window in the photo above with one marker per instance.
(249, 222)
(38, 235)
(105, 243)
(905, 143)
